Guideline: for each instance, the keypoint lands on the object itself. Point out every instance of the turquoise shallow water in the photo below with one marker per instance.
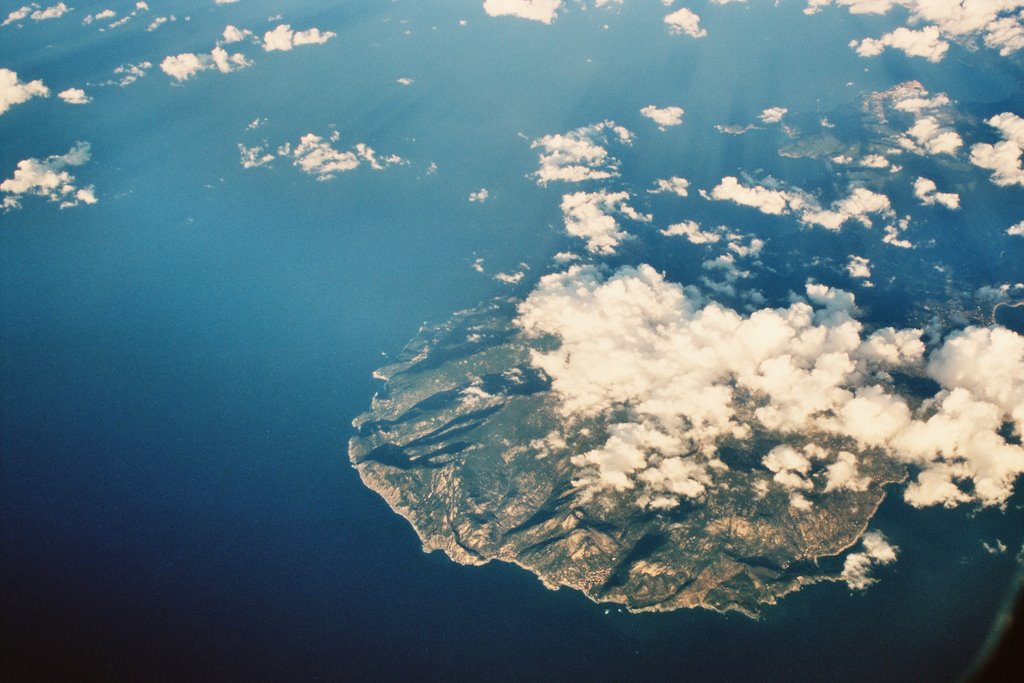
(180, 363)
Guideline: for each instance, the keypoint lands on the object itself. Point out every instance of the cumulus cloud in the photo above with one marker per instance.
(858, 206)
(685, 21)
(915, 100)
(767, 200)
(186, 65)
(479, 196)
(1016, 230)
(998, 24)
(692, 231)
(233, 34)
(510, 278)
(284, 38)
(52, 12)
(929, 136)
(126, 74)
(318, 157)
(49, 178)
(579, 154)
(590, 216)
(874, 161)
(859, 267)
(17, 15)
(920, 43)
(36, 12)
(925, 191)
(844, 474)
(1004, 157)
(14, 91)
(544, 11)
(74, 96)
(773, 114)
(665, 116)
(676, 376)
(776, 201)
(254, 157)
(160, 21)
(790, 466)
(99, 16)
(876, 550)
(931, 131)
(675, 185)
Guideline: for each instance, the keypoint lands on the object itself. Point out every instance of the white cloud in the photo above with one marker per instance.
(664, 117)
(678, 376)
(510, 278)
(1004, 157)
(17, 15)
(99, 16)
(998, 548)
(844, 474)
(773, 114)
(37, 13)
(129, 73)
(921, 43)
(765, 199)
(735, 129)
(859, 267)
(544, 11)
(874, 161)
(928, 136)
(316, 156)
(676, 185)
(53, 12)
(790, 467)
(590, 216)
(160, 21)
(225, 2)
(49, 178)
(254, 157)
(925, 191)
(685, 21)
(692, 231)
(916, 101)
(1005, 34)
(404, 80)
(13, 91)
(186, 65)
(858, 205)
(227, 63)
(857, 566)
(1016, 230)
(565, 257)
(480, 195)
(74, 96)
(284, 38)
(998, 23)
(233, 34)
(579, 155)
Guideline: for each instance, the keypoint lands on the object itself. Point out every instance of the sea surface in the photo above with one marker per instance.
(180, 364)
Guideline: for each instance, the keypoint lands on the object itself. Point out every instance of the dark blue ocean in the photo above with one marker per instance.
(180, 364)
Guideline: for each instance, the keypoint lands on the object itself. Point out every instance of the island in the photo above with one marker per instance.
(459, 442)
